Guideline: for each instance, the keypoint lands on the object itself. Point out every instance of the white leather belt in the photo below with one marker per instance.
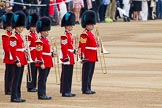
(91, 48)
(32, 48)
(20, 49)
(44, 53)
(71, 50)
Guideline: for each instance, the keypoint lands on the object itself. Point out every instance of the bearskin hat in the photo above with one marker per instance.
(43, 24)
(18, 19)
(7, 19)
(68, 19)
(88, 17)
(31, 20)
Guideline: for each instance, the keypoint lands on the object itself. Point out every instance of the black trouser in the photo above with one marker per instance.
(33, 70)
(87, 74)
(44, 11)
(42, 79)
(96, 8)
(66, 78)
(8, 77)
(149, 10)
(102, 12)
(16, 85)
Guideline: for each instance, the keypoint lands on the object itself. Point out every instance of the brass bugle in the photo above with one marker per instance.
(56, 60)
(77, 58)
(29, 59)
(102, 51)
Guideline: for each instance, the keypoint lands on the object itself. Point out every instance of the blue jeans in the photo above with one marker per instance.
(102, 12)
(159, 9)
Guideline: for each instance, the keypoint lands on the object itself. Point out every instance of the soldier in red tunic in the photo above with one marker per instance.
(18, 54)
(7, 59)
(44, 56)
(67, 52)
(31, 38)
(88, 48)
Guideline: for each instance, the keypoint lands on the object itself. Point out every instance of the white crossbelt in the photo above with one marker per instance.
(44, 53)
(71, 50)
(32, 48)
(20, 49)
(91, 48)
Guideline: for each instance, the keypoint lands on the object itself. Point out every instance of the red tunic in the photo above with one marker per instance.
(7, 58)
(43, 52)
(88, 46)
(67, 49)
(32, 38)
(17, 48)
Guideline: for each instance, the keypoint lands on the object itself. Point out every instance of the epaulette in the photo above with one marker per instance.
(84, 33)
(5, 35)
(64, 41)
(13, 36)
(63, 36)
(38, 41)
(29, 35)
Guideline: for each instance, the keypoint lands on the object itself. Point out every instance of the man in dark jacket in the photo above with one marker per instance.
(18, 7)
(31, 9)
(44, 11)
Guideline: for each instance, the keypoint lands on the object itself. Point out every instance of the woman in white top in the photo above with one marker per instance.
(144, 12)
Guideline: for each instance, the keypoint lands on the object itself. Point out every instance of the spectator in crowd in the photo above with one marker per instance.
(69, 5)
(144, 12)
(119, 6)
(8, 7)
(149, 9)
(111, 10)
(31, 9)
(56, 14)
(44, 10)
(18, 7)
(153, 8)
(93, 4)
(78, 4)
(59, 2)
(126, 6)
(137, 7)
(2, 3)
(52, 12)
(87, 5)
(131, 10)
(51, 8)
(96, 7)
(102, 10)
(61, 9)
(158, 7)
(2, 10)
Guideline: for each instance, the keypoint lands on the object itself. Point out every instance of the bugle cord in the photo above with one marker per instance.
(101, 51)
(56, 60)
